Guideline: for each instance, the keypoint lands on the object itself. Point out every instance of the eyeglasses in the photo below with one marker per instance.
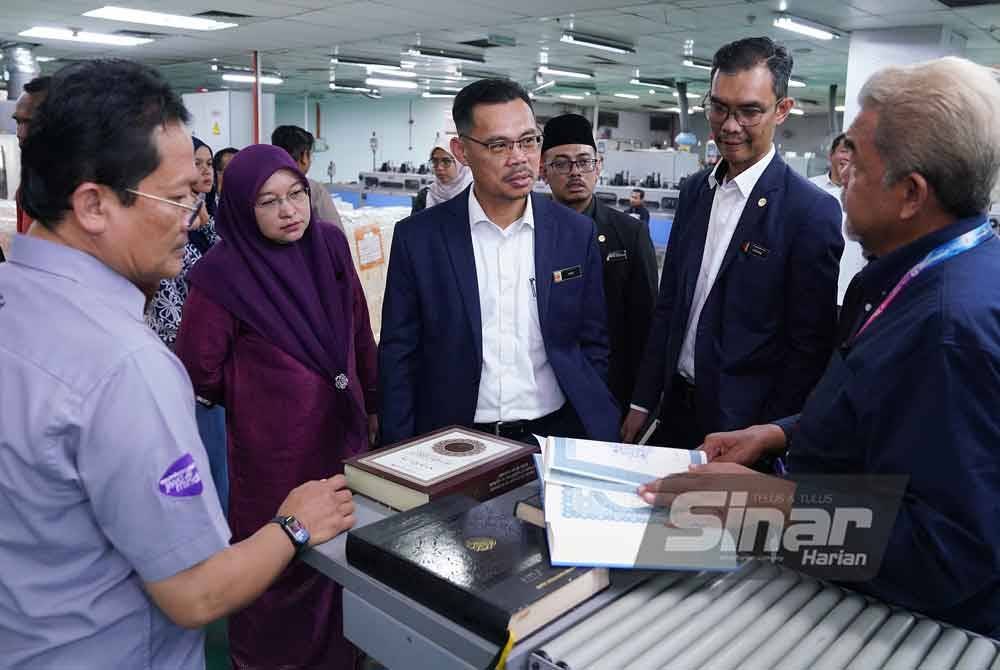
(297, 197)
(747, 117)
(194, 207)
(563, 166)
(506, 147)
(442, 162)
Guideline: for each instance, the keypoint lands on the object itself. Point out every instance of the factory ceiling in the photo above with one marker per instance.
(297, 39)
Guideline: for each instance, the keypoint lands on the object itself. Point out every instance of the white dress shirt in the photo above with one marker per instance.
(727, 207)
(853, 260)
(517, 381)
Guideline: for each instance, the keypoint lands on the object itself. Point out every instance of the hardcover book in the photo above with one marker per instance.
(475, 564)
(449, 461)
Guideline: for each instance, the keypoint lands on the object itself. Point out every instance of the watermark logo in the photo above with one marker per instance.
(832, 527)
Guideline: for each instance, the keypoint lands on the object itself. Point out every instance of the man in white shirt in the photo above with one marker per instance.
(494, 314)
(745, 315)
(853, 259)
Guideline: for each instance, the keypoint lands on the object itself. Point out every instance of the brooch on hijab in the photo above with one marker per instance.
(341, 381)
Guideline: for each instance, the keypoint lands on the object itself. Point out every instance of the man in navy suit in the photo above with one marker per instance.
(494, 314)
(745, 315)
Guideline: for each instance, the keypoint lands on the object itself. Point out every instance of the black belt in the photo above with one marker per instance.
(517, 428)
(684, 391)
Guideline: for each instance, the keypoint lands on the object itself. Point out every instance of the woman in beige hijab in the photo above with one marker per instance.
(450, 177)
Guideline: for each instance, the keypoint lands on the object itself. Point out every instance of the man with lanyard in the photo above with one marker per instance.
(911, 388)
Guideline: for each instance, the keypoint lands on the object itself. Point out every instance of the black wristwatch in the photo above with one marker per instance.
(295, 531)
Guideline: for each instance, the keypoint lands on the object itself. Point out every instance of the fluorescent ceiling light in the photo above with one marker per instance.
(627, 96)
(805, 27)
(364, 62)
(392, 72)
(797, 112)
(157, 19)
(560, 72)
(351, 89)
(444, 54)
(430, 94)
(566, 96)
(651, 83)
(691, 96)
(45, 59)
(544, 86)
(595, 42)
(796, 83)
(391, 83)
(838, 108)
(697, 63)
(249, 79)
(44, 33)
(449, 89)
(697, 108)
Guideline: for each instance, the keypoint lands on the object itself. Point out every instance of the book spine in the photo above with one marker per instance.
(497, 482)
(462, 606)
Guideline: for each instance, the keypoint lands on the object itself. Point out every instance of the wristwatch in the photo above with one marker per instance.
(295, 531)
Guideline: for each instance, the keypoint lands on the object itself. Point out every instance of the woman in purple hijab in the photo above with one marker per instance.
(276, 330)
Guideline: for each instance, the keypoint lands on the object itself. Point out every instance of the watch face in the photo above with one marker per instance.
(297, 530)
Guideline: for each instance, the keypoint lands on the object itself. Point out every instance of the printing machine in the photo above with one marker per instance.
(761, 616)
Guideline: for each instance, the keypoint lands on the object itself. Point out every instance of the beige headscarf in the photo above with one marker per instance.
(439, 192)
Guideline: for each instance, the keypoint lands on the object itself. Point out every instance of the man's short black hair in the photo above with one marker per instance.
(484, 92)
(642, 194)
(747, 53)
(837, 141)
(96, 124)
(38, 85)
(296, 141)
(220, 154)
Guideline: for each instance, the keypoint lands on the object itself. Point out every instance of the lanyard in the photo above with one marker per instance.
(951, 248)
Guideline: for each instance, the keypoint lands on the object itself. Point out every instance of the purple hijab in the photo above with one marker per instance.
(295, 295)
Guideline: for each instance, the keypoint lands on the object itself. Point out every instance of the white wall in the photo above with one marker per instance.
(348, 123)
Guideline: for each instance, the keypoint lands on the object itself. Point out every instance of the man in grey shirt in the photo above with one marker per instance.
(113, 547)
(299, 144)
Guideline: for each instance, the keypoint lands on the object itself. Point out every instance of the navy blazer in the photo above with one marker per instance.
(431, 349)
(767, 328)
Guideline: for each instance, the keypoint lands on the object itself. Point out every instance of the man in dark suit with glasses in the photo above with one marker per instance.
(494, 313)
(570, 164)
(745, 316)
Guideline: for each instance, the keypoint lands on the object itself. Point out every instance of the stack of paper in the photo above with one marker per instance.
(595, 517)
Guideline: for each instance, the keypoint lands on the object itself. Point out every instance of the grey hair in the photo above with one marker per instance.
(940, 120)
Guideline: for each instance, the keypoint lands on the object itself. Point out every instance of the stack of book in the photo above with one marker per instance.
(593, 515)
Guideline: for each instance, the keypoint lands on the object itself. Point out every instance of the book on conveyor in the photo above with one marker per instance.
(474, 563)
(449, 461)
(531, 510)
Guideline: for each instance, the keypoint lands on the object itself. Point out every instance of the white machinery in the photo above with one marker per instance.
(671, 166)
(762, 617)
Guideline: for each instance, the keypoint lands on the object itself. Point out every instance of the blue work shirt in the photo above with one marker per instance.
(916, 394)
(103, 479)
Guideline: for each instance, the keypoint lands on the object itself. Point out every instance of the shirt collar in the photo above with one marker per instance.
(80, 267)
(478, 215)
(883, 273)
(747, 179)
(591, 210)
